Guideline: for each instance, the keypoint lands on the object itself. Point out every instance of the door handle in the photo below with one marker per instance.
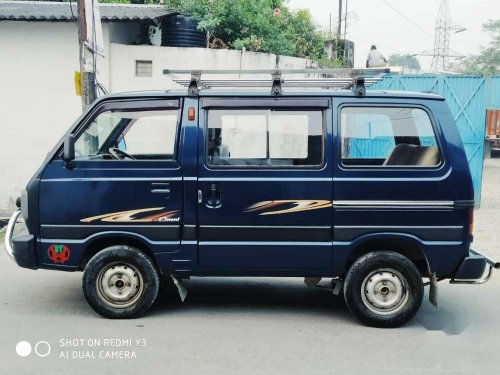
(160, 188)
(214, 199)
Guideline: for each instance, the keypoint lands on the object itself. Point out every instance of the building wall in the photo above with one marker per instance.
(37, 97)
(123, 58)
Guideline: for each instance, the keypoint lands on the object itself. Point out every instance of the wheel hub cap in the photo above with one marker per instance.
(119, 285)
(384, 291)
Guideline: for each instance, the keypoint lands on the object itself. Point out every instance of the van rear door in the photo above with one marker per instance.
(265, 184)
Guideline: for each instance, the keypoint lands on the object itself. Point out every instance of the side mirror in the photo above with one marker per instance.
(69, 150)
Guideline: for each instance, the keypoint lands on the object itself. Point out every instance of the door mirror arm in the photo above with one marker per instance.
(69, 151)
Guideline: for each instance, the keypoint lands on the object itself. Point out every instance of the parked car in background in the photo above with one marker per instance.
(493, 131)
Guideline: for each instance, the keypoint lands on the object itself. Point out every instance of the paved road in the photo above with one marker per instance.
(252, 326)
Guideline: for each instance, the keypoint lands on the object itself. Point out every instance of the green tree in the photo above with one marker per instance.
(408, 61)
(488, 60)
(256, 25)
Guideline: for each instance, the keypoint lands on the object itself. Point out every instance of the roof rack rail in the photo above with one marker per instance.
(356, 79)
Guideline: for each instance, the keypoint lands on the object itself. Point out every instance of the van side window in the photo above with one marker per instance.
(387, 136)
(119, 135)
(265, 138)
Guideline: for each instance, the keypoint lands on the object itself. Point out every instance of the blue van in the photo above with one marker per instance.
(371, 189)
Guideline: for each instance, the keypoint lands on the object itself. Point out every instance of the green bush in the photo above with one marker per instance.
(255, 25)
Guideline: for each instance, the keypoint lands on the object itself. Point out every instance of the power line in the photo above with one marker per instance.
(408, 19)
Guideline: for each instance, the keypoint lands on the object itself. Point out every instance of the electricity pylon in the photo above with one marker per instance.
(444, 26)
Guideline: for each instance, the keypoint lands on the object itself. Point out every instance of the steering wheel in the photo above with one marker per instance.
(120, 154)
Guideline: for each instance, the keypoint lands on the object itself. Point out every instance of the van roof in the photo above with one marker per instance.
(266, 93)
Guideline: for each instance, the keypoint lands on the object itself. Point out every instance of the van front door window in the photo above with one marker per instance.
(125, 135)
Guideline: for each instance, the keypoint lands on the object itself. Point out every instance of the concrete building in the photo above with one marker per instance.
(39, 55)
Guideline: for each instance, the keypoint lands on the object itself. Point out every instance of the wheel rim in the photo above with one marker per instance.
(385, 291)
(119, 285)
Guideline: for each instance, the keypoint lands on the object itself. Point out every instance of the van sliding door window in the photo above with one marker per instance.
(388, 137)
(129, 135)
(264, 138)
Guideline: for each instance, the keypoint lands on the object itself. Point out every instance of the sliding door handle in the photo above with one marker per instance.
(160, 188)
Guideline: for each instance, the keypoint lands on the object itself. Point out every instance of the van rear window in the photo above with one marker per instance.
(264, 138)
(387, 136)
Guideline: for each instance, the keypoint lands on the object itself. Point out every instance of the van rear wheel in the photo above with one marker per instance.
(383, 289)
(120, 282)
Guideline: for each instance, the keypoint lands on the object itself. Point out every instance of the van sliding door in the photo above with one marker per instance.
(265, 181)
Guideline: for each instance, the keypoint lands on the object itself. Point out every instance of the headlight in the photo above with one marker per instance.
(24, 205)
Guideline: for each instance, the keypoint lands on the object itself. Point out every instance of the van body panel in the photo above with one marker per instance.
(415, 205)
(426, 208)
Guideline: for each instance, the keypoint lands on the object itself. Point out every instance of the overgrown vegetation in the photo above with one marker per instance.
(255, 25)
(488, 60)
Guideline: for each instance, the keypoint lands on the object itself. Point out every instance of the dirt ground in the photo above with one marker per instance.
(253, 326)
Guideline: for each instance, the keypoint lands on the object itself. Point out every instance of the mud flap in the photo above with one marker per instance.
(311, 282)
(337, 289)
(433, 290)
(180, 288)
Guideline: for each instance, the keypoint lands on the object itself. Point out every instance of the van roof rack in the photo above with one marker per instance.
(336, 79)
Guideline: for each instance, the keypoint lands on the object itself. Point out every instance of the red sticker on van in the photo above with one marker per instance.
(58, 253)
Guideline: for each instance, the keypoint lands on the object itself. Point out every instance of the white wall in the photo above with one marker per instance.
(122, 57)
(37, 97)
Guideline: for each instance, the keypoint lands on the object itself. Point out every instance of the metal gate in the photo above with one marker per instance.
(468, 97)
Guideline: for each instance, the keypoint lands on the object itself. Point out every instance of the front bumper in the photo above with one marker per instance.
(473, 267)
(21, 248)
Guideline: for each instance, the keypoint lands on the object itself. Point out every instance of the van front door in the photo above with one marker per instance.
(265, 184)
(125, 182)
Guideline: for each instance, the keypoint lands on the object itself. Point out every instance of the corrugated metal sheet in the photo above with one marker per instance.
(493, 123)
(468, 97)
(62, 11)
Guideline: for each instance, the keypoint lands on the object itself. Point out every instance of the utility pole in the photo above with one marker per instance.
(87, 74)
(339, 26)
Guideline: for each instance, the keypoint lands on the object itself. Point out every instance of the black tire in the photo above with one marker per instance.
(379, 278)
(140, 281)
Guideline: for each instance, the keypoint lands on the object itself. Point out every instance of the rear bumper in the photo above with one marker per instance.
(21, 248)
(473, 268)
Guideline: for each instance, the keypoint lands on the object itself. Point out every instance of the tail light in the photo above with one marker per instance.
(471, 222)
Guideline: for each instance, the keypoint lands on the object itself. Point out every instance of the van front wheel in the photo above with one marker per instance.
(383, 289)
(120, 282)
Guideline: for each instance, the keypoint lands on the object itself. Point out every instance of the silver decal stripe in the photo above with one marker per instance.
(117, 226)
(263, 243)
(190, 178)
(64, 241)
(395, 179)
(306, 179)
(392, 203)
(79, 179)
(267, 226)
(398, 227)
(428, 243)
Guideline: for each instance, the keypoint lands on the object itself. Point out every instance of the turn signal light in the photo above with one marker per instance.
(471, 221)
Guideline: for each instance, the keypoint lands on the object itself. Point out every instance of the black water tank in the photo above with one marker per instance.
(181, 31)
